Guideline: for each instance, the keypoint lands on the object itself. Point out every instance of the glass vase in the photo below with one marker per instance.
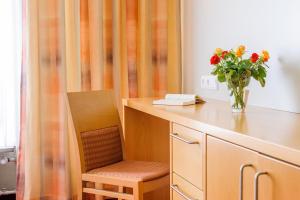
(238, 100)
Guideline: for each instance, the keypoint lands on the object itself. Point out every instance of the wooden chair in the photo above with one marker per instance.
(98, 132)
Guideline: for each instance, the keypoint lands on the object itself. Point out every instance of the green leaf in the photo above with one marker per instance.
(248, 72)
(262, 72)
(221, 78)
(231, 72)
(215, 71)
(255, 74)
(262, 81)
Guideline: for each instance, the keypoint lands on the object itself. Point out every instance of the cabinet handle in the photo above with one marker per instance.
(242, 168)
(256, 180)
(175, 135)
(177, 190)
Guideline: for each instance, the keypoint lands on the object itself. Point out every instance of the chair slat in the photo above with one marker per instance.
(108, 193)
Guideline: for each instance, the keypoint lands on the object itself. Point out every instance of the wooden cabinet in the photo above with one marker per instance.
(224, 162)
(278, 180)
(282, 181)
(215, 155)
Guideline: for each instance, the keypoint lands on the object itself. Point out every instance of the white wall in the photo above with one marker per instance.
(259, 24)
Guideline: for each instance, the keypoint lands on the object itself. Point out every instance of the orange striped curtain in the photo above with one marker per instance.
(42, 163)
(139, 46)
(130, 46)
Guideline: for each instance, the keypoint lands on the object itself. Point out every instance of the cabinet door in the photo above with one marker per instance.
(224, 161)
(282, 181)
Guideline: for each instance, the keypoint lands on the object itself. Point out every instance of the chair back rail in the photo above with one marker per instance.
(97, 125)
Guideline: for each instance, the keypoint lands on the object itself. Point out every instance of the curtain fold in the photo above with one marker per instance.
(130, 46)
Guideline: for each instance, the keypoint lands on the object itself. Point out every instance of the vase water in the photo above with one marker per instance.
(239, 100)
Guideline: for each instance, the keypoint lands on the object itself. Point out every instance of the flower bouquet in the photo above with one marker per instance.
(236, 71)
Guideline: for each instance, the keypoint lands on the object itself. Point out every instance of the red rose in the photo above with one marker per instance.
(224, 53)
(254, 57)
(214, 60)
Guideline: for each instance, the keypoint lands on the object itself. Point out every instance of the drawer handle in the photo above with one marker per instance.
(242, 168)
(175, 135)
(177, 190)
(256, 180)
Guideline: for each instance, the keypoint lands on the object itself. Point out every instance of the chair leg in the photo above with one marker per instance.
(99, 186)
(138, 192)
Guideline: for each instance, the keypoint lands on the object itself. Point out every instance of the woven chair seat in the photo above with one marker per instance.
(133, 170)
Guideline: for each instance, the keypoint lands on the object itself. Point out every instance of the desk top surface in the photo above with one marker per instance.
(276, 133)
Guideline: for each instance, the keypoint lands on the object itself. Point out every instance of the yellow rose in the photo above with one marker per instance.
(218, 51)
(265, 55)
(240, 51)
(242, 48)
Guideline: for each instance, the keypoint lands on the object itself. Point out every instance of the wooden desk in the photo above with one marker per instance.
(273, 133)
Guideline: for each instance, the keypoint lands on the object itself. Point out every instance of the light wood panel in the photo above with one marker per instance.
(147, 139)
(93, 110)
(223, 170)
(188, 160)
(282, 181)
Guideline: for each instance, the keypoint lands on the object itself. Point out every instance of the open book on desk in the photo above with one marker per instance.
(178, 100)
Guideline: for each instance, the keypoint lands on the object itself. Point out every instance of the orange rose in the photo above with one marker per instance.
(265, 55)
(240, 51)
(218, 51)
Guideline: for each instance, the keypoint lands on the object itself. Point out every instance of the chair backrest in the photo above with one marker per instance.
(98, 128)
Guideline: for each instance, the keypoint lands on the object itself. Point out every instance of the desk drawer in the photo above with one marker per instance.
(187, 154)
(182, 189)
